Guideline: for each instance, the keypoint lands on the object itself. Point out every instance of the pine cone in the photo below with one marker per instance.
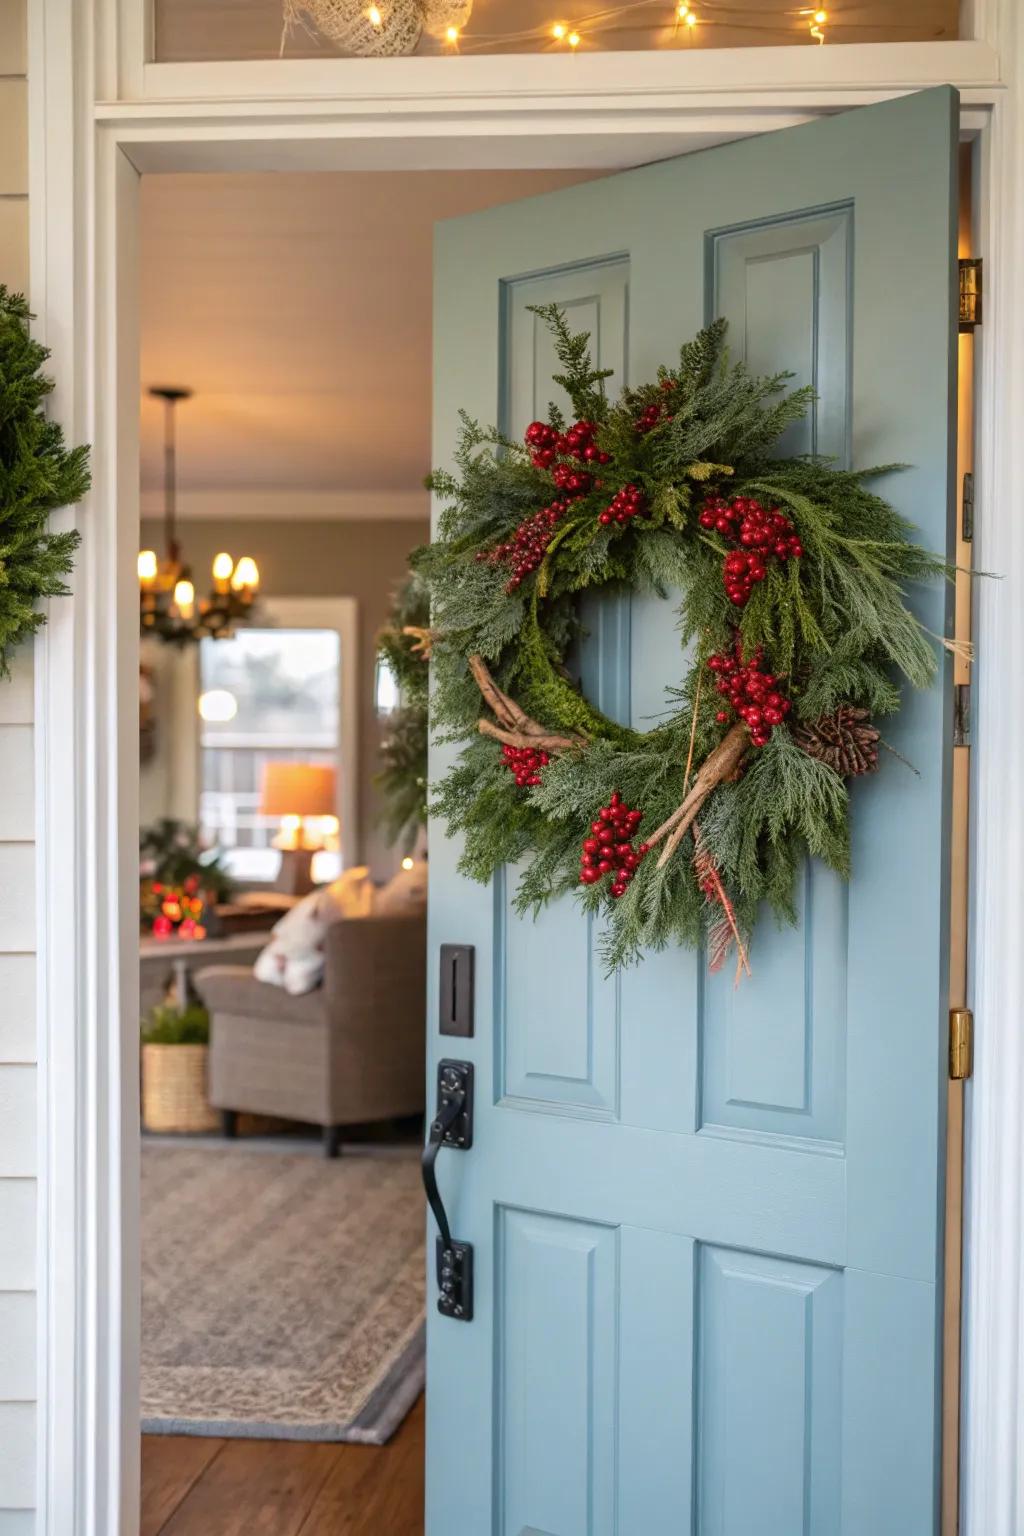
(845, 740)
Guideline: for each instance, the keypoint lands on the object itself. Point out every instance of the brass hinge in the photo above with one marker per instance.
(961, 1043)
(970, 292)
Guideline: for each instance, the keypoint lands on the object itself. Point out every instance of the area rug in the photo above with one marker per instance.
(282, 1294)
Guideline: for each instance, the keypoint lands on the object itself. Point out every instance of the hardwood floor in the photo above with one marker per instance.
(194, 1487)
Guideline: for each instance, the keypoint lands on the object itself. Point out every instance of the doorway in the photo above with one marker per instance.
(118, 170)
(279, 1377)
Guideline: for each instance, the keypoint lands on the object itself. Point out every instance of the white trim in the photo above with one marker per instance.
(605, 81)
(82, 192)
(993, 1395)
(287, 506)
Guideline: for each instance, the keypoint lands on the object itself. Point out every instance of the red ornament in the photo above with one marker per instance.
(753, 694)
(761, 533)
(525, 763)
(609, 850)
(626, 504)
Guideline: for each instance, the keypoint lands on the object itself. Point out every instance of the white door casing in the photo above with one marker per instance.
(523, 111)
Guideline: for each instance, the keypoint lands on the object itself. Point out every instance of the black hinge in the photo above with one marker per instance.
(967, 509)
(962, 715)
(970, 292)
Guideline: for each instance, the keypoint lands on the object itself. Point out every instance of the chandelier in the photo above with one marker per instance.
(168, 606)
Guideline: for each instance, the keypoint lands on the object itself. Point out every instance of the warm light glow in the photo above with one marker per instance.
(184, 597)
(376, 19)
(690, 19)
(218, 705)
(407, 863)
(289, 835)
(573, 39)
(682, 11)
(452, 34)
(147, 565)
(223, 565)
(246, 575)
(821, 17)
(558, 31)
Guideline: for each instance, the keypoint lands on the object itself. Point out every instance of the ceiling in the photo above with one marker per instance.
(298, 308)
(252, 29)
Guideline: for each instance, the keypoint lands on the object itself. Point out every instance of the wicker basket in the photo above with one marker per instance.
(174, 1089)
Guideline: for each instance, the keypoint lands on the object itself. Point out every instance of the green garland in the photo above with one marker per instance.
(402, 780)
(789, 568)
(38, 474)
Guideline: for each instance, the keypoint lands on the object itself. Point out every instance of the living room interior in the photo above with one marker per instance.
(285, 437)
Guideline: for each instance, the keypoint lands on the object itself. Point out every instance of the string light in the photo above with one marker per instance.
(558, 31)
(815, 24)
(376, 19)
(452, 35)
(690, 20)
(573, 39)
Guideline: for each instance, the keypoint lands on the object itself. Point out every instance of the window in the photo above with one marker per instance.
(264, 694)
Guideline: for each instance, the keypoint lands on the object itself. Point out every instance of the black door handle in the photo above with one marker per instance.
(452, 1126)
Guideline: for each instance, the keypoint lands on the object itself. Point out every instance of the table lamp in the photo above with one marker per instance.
(304, 796)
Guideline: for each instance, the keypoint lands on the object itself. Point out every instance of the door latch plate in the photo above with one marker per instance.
(455, 1280)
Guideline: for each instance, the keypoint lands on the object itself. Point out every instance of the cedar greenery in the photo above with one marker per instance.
(833, 623)
(402, 779)
(38, 474)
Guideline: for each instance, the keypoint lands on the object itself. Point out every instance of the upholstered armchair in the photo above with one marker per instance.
(350, 1051)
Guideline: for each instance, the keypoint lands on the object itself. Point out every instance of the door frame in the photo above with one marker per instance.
(100, 116)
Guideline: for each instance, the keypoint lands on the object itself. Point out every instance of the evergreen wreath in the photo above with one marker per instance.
(792, 576)
(37, 475)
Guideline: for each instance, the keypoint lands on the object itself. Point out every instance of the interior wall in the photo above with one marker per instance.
(363, 560)
(17, 909)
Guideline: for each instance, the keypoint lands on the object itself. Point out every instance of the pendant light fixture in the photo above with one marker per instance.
(168, 606)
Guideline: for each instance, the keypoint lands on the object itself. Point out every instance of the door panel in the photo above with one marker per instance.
(769, 1340)
(558, 1285)
(707, 1220)
(785, 285)
(790, 1084)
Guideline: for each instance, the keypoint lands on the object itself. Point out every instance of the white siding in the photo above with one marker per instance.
(17, 919)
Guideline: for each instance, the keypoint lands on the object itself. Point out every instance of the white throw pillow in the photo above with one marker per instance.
(405, 892)
(294, 958)
(295, 973)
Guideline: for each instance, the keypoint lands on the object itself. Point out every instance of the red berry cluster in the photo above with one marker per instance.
(525, 763)
(572, 482)
(527, 546)
(609, 849)
(752, 693)
(658, 411)
(546, 443)
(626, 504)
(761, 533)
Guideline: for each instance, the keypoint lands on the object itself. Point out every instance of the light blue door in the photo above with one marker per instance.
(707, 1221)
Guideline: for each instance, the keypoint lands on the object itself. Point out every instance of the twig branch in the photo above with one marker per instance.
(718, 766)
(515, 727)
(422, 640)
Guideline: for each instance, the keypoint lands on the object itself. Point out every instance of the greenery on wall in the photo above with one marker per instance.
(404, 644)
(38, 474)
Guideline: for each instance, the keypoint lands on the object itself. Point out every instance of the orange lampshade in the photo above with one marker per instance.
(297, 789)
